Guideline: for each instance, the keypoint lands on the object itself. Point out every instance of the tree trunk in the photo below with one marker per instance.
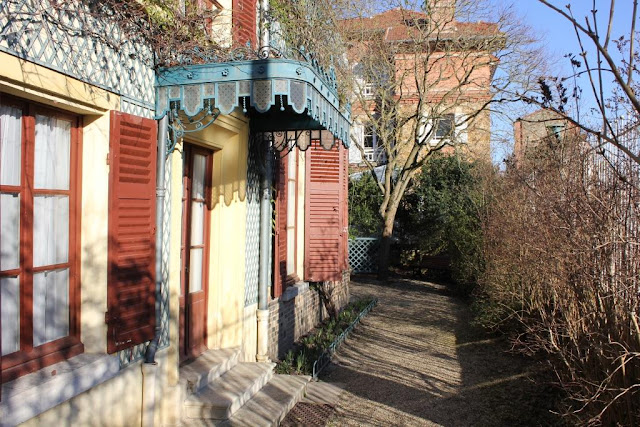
(385, 244)
(326, 291)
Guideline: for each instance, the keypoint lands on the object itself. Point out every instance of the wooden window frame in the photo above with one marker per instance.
(281, 282)
(29, 358)
(448, 131)
(292, 276)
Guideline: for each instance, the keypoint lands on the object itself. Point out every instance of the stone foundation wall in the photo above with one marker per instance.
(297, 311)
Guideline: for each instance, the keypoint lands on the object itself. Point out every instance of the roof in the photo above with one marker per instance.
(402, 24)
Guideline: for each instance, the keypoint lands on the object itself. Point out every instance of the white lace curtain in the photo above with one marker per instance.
(50, 227)
(10, 169)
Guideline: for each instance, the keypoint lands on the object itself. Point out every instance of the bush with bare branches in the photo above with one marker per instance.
(562, 250)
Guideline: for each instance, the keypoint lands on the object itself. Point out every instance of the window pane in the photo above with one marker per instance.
(50, 306)
(368, 136)
(9, 231)
(291, 166)
(195, 270)
(50, 230)
(197, 223)
(52, 153)
(445, 126)
(197, 189)
(10, 314)
(10, 145)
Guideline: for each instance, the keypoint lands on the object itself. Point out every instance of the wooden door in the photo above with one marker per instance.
(196, 202)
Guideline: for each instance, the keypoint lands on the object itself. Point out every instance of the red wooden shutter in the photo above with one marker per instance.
(280, 236)
(344, 197)
(324, 222)
(132, 235)
(244, 22)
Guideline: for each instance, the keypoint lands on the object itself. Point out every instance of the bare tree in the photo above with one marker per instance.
(424, 79)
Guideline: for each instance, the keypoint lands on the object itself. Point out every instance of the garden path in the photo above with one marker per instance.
(416, 359)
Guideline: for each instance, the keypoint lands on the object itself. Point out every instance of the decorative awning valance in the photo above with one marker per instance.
(279, 94)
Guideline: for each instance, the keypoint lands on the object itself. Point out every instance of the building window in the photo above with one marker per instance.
(292, 212)
(555, 132)
(370, 137)
(39, 296)
(368, 91)
(445, 126)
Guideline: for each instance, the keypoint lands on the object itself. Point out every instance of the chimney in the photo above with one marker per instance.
(442, 12)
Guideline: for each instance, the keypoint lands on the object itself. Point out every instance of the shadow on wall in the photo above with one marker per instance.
(66, 392)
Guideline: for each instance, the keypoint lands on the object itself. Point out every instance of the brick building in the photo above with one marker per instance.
(442, 70)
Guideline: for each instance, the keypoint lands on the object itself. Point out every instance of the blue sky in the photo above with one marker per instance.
(559, 38)
(558, 34)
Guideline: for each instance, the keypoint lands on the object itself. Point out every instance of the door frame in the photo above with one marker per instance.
(187, 352)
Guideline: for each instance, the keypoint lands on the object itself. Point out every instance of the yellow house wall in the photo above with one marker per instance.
(222, 24)
(175, 266)
(114, 403)
(250, 334)
(94, 232)
(30, 81)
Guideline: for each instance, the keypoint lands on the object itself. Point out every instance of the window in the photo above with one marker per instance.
(445, 126)
(370, 137)
(555, 132)
(39, 203)
(286, 248)
(368, 91)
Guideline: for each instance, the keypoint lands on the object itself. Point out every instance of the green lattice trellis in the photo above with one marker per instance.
(252, 239)
(73, 38)
(363, 254)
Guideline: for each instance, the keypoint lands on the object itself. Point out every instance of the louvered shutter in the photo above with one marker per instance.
(324, 222)
(344, 197)
(280, 237)
(132, 235)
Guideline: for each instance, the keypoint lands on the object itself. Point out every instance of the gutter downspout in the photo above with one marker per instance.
(150, 367)
(265, 224)
(265, 37)
(265, 258)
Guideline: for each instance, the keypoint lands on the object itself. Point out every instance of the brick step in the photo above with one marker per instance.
(221, 398)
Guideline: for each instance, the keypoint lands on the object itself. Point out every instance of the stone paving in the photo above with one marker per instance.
(417, 360)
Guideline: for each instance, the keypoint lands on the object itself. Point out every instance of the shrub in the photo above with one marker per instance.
(562, 250)
(365, 198)
(309, 348)
(442, 216)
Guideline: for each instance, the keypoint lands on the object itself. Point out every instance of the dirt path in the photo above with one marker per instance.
(415, 360)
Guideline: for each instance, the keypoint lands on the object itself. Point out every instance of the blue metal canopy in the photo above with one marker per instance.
(278, 94)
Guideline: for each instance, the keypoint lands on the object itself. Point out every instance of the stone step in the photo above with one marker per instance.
(271, 404)
(208, 367)
(221, 398)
